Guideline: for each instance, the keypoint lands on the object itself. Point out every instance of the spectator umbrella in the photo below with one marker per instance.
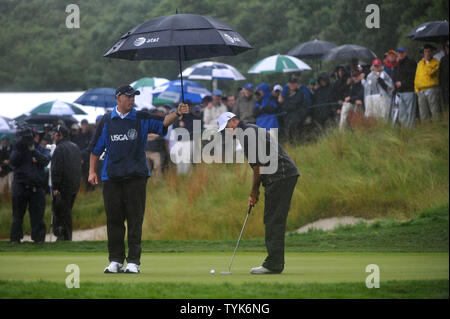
(103, 97)
(41, 119)
(312, 49)
(211, 70)
(57, 108)
(279, 64)
(172, 92)
(146, 86)
(433, 31)
(7, 126)
(349, 52)
(181, 37)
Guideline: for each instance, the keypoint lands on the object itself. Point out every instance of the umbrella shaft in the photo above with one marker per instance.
(181, 72)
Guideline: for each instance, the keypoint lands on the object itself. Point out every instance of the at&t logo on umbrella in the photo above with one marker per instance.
(231, 39)
(141, 40)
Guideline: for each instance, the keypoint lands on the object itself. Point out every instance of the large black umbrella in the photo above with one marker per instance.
(349, 52)
(433, 31)
(312, 49)
(179, 37)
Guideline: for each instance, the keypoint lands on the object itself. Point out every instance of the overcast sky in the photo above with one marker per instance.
(17, 103)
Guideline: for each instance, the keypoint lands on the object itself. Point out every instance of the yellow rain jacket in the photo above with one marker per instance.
(427, 75)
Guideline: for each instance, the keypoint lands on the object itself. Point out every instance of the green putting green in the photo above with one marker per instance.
(195, 267)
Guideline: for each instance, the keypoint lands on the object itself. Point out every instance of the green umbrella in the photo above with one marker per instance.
(279, 64)
(148, 82)
(146, 86)
(57, 108)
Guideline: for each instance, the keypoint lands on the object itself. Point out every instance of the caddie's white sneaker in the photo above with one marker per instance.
(262, 271)
(114, 268)
(132, 269)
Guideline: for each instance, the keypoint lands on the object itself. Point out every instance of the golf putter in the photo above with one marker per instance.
(51, 227)
(237, 245)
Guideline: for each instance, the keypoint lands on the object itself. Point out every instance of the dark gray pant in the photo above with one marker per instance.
(34, 198)
(62, 215)
(125, 200)
(276, 208)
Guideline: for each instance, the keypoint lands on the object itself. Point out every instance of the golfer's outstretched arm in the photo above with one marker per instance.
(93, 160)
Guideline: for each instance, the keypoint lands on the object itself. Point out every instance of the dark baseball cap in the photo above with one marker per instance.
(127, 90)
(293, 79)
(61, 129)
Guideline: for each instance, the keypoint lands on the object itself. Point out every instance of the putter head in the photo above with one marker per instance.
(225, 273)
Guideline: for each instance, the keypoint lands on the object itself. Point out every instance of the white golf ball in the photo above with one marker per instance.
(212, 272)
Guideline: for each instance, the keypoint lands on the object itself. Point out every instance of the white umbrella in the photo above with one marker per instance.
(279, 63)
(211, 70)
(4, 125)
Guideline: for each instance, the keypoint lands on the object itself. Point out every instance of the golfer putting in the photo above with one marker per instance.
(279, 187)
(122, 135)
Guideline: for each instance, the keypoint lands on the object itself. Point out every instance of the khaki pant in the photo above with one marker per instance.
(407, 108)
(347, 107)
(6, 183)
(377, 106)
(156, 159)
(429, 104)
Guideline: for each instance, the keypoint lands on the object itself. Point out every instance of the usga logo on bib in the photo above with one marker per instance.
(131, 135)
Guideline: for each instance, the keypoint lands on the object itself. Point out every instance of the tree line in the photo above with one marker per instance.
(39, 53)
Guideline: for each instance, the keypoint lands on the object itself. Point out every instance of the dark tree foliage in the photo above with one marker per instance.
(38, 52)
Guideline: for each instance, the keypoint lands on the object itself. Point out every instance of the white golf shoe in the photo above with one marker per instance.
(114, 268)
(132, 269)
(262, 271)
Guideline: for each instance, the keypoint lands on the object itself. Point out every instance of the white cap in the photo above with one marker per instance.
(278, 87)
(223, 120)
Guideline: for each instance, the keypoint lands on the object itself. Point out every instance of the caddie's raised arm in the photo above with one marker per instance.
(172, 117)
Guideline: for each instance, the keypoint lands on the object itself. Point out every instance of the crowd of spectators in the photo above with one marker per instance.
(395, 90)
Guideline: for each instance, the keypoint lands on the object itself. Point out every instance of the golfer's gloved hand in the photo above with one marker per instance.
(253, 198)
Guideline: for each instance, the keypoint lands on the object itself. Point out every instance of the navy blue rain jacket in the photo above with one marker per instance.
(266, 108)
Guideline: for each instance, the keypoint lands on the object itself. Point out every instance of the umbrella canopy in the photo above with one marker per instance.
(103, 97)
(279, 63)
(349, 52)
(179, 37)
(46, 119)
(57, 108)
(211, 70)
(4, 124)
(6, 127)
(148, 82)
(312, 49)
(433, 31)
(171, 92)
(146, 86)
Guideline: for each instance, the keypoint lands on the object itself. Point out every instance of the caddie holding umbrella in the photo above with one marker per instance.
(122, 135)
